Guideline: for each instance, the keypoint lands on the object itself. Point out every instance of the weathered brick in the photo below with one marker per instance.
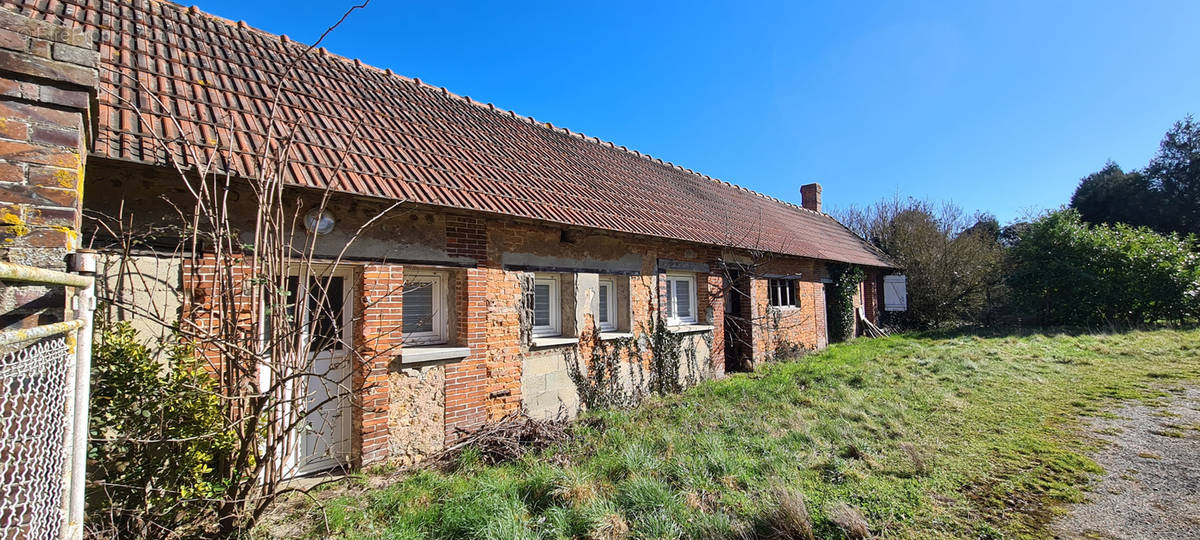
(10, 87)
(54, 177)
(48, 238)
(14, 129)
(30, 91)
(53, 217)
(13, 40)
(78, 99)
(41, 196)
(56, 137)
(47, 69)
(10, 172)
(28, 153)
(39, 114)
(41, 48)
(75, 55)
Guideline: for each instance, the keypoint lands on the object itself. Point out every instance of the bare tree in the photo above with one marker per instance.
(265, 304)
(953, 260)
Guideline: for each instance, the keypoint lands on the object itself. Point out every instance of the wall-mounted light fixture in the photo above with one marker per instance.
(319, 221)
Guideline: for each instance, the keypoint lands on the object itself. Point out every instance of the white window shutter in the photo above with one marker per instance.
(895, 293)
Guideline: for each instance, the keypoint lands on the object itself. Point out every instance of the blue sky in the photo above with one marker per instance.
(997, 106)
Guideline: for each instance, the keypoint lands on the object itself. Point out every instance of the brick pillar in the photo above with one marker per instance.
(48, 78)
(379, 337)
(467, 384)
(715, 309)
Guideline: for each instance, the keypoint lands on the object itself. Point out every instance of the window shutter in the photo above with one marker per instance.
(895, 293)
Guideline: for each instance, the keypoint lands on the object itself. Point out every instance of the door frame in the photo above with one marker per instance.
(297, 459)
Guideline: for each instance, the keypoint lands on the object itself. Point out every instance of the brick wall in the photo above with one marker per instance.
(378, 335)
(468, 381)
(714, 304)
(780, 328)
(761, 337)
(47, 80)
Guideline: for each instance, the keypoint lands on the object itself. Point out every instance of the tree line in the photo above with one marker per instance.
(1123, 252)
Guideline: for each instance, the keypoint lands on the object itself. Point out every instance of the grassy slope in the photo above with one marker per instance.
(991, 417)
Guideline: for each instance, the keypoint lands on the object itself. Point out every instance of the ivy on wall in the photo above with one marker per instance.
(846, 278)
(659, 362)
(598, 380)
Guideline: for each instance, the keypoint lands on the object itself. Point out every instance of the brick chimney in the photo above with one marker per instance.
(810, 196)
(48, 80)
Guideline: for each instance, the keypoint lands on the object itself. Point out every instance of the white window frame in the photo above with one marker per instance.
(672, 308)
(441, 332)
(774, 283)
(555, 326)
(611, 300)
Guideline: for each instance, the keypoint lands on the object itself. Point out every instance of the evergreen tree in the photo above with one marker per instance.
(1175, 173)
(1112, 196)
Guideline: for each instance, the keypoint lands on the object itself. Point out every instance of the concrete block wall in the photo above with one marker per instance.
(48, 81)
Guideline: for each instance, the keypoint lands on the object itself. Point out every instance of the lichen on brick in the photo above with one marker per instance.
(16, 226)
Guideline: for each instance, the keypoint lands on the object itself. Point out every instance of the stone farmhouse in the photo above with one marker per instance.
(518, 245)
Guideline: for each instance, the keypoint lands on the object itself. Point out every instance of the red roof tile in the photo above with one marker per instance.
(406, 139)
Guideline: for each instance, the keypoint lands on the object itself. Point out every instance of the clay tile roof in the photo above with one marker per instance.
(371, 132)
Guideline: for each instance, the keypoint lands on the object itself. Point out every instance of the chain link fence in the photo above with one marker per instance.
(44, 379)
(35, 387)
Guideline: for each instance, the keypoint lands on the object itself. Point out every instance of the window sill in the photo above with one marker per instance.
(783, 308)
(609, 336)
(689, 328)
(553, 341)
(419, 355)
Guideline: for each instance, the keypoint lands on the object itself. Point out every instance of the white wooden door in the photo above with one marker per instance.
(323, 441)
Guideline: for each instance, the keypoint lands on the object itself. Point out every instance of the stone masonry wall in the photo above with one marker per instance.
(417, 413)
(47, 82)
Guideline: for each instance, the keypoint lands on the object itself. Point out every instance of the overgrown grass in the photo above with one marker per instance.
(927, 436)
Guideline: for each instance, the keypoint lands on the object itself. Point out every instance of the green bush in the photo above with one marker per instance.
(1066, 272)
(156, 429)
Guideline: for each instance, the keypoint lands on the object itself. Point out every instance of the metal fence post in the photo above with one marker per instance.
(84, 263)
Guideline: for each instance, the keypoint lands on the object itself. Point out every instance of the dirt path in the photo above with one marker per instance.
(1151, 487)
